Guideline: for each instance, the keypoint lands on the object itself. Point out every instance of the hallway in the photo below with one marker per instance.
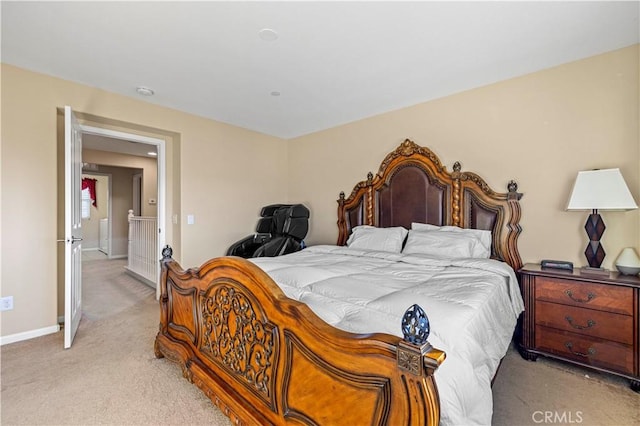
(107, 289)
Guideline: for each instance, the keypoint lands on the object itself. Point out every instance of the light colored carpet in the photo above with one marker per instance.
(111, 376)
(554, 392)
(107, 289)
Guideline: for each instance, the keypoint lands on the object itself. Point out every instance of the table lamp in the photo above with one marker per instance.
(595, 190)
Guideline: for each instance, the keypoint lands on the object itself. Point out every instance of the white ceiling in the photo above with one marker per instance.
(104, 143)
(333, 62)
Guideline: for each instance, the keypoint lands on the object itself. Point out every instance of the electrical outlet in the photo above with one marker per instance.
(6, 303)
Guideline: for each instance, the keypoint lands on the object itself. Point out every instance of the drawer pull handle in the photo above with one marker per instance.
(590, 351)
(590, 323)
(589, 298)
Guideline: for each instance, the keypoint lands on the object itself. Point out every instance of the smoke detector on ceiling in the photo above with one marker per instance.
(267, 34)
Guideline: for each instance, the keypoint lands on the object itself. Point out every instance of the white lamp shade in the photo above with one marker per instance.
(603, 189)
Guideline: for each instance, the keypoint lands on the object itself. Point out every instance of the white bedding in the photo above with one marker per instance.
(472, 305)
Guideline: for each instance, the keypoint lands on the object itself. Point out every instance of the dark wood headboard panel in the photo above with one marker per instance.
(412, 185)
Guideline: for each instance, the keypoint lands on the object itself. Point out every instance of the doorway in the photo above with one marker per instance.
(107, 286)
(151, 200)
(72, 156)
(96, 211)
(126, 159)
(137, 194)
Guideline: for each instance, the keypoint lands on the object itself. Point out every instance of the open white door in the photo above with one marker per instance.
(72, 226)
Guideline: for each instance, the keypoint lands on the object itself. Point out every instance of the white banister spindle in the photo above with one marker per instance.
(143, 246)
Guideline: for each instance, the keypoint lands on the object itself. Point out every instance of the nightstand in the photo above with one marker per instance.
(589, 320)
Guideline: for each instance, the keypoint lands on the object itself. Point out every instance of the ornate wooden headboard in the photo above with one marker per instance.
(412, 185)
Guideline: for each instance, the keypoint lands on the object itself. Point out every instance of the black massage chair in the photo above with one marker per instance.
(280, 230)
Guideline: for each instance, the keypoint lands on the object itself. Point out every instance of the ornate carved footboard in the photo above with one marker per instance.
(263, 358)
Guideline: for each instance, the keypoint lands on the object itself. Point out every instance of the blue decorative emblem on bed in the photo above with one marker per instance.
(415, 325)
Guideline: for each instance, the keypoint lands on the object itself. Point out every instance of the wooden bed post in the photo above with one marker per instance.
(342, 222)
(167, 252)
(420, 360)
(369, 203)
(456, 198)
(513, 200)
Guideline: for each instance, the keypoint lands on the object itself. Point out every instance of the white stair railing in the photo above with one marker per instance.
(143, 237)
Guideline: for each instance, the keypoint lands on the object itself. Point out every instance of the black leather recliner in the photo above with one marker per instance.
(280, 230)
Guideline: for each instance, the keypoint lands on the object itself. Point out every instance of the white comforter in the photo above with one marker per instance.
(472, 305)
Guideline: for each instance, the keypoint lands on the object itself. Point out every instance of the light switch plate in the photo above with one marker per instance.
(6, 303)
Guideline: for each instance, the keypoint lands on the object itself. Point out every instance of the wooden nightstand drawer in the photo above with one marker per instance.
(589, 295)
(590, 351)
(589, 322)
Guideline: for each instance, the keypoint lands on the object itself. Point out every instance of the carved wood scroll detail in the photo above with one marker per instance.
(410, 360)
(234, 337)
(420, 360)
(407, 149)
(215, 399)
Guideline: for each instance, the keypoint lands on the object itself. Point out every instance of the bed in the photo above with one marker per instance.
(320, 336)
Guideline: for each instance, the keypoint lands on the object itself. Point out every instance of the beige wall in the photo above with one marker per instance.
(539, 129)
(121, 201)
(215, 171)
(147, 165)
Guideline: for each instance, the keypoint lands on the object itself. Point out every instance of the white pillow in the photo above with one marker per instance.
(415, 226)
(380, 239)
(450, 245)
(482, 249)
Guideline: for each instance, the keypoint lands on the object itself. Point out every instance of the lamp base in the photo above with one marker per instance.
(588, 270)
(595, 228)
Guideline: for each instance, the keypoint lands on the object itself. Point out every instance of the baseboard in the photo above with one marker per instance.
(18, 337)
(140, 277)
(118, 256)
